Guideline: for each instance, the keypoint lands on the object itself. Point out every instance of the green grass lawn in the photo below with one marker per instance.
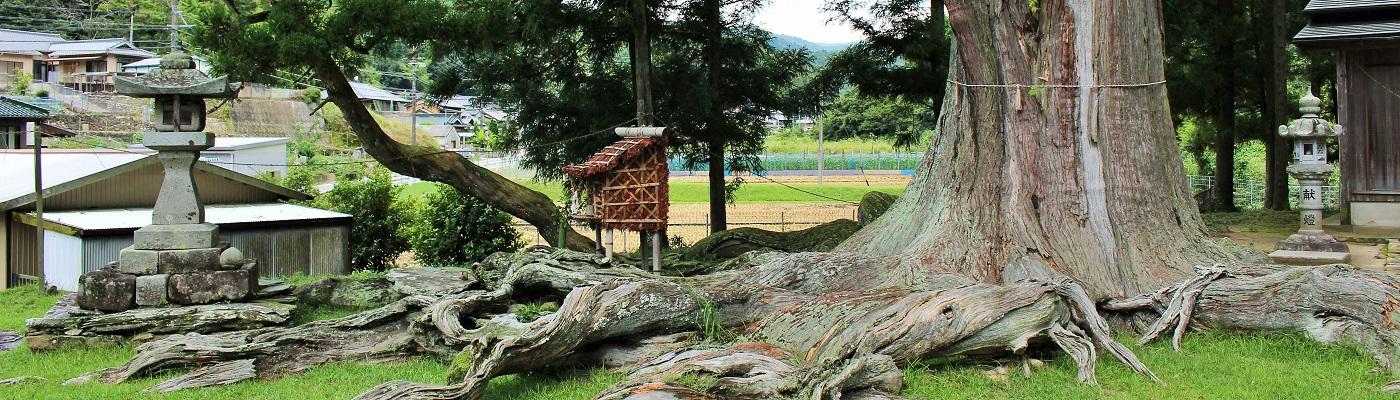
(1212, 366)
(755, 191)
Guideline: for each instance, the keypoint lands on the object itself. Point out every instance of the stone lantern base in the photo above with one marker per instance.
(1310, 249)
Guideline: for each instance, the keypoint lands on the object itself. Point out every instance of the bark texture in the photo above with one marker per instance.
(1082, 180)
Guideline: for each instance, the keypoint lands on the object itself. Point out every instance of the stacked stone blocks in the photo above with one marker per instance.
(155, 278)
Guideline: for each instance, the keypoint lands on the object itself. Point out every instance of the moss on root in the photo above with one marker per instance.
(734, 242)
(873, 205)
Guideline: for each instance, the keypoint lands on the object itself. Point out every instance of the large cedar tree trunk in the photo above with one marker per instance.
(719, 218)
(1276, 111)
(1224, 118)
(1082, 180)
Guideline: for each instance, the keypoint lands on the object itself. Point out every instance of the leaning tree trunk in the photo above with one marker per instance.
(444, 166)
(1055, 154)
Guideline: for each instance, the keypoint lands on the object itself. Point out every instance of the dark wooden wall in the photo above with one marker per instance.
(1369, 107)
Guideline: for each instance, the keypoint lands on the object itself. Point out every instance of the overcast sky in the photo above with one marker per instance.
(804, 19)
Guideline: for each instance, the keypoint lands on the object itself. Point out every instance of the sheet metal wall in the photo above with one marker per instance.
(138, 188)
(20, 252)
(280, 250)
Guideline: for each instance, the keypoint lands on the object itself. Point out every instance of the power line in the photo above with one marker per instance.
(104, 24)
(804, 191)
(70, 9)
(372, 160)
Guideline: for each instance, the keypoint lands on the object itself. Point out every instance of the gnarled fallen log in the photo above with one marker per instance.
(1330, 303)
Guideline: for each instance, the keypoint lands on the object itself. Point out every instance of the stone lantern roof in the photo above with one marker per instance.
(1310, 125)
(176, 76)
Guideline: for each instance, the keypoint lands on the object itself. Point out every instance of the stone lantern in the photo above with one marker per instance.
(1309, 134)
(178, 258)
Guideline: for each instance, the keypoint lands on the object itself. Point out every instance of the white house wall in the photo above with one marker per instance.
(63, 260)
(268, 158)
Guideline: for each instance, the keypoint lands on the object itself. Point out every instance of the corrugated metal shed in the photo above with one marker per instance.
(77, 182)
(285, 239)
(78, 179)
(366, 91)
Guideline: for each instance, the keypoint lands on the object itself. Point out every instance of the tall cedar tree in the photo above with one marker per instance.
(249, 39)
(1235, 86)
(565, 69)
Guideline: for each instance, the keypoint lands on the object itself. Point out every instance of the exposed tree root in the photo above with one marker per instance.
(814, 325)
(1331, 304)
(375, 335)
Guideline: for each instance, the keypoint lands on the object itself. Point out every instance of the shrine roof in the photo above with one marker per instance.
(611, 156)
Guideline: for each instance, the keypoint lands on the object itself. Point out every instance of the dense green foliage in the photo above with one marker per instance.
(1222, 87)
(905, 52)
(854, 116)
(902, 60)
(147, 21)
(20, 84)
(451, 228)
(377, 236)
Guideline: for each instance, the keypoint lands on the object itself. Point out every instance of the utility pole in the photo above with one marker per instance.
(174, 25)
(39, 203)
(131, 24)
(821, 149)
(413, 106)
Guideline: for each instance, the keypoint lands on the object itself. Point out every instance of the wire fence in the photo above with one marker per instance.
(96, 103)
(688, 223)
(1249, 193)
(842, 161)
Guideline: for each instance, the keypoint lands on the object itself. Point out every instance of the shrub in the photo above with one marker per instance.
(41, 93)
(22, 83)
(376, 238)
(311, 95)
(451, 228)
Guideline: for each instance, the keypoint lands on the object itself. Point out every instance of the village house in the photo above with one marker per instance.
(1364, 36)
(95, 199)
(377, 99)
(87, 65)
(149, 64)
(246, 155)
(18, 122)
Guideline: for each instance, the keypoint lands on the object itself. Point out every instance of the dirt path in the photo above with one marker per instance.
(1363, 255)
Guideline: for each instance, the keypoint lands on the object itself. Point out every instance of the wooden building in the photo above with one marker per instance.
(624, 185)
(1364, 37)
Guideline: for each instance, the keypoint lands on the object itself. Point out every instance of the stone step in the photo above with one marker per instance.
(1295, 257)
